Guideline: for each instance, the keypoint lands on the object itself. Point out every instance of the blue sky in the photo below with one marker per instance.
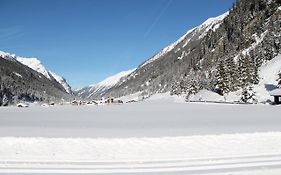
(87, 40)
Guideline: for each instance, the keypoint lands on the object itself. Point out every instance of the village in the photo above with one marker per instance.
(109, 100)
(75, 102)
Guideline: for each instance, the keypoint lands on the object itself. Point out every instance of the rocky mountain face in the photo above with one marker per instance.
(223, 54)
(24, 79)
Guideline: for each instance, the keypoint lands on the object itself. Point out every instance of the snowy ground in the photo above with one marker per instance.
(147, 119)
(159, 136)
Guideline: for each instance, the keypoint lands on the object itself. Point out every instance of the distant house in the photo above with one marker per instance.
(131, 101)
(109, 100)
(83, 102)
(277, 96)
(22, 105)
(74, 102)
(94, 102)
(119, 101)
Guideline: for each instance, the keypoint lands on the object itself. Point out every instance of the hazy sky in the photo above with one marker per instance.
(87, 40)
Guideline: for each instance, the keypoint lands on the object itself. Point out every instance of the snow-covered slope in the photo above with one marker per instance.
(113, 80)
(62, 81)
(4, 54)
(36, 65)
(29, 82)
(268, 78)
(7, 56)
(197, 32)
(100, 88)
(157, 74)
(268, 74)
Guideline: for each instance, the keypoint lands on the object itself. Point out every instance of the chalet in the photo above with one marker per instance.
(109, 100)
(131, 101)
(119, 102)
(74, 102)
(94, 102)
(277, 96)
(83, 102)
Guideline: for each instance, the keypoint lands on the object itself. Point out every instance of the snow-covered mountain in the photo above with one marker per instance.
(36, 65)
(191, 36)
(62, 81)
(24, 79)
(99, 89)
(250, 30)
(164, 61)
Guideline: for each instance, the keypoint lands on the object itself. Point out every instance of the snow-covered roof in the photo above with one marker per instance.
(275, 92)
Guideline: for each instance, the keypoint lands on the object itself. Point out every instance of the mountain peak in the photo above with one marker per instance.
(35, 64)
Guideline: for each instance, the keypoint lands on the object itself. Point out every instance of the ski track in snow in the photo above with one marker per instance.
(171, 155)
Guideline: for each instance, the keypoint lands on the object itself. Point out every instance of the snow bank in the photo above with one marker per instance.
(208, 96)
(166, 97)
(135, 97)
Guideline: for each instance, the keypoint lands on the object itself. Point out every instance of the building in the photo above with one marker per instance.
(277, 96)
(22, 105)
(74, 102)
(109, 100)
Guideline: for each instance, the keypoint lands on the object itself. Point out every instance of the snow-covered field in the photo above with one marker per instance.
(158, 136)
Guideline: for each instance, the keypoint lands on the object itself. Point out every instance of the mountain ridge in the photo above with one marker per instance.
(19, 82)
(36, 65)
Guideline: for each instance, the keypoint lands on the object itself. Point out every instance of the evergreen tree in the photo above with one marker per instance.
(175, 88)
(231, 74)
(221, 79)
(248, 71)
(253, 70)
(192, 87)
(248, 95)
